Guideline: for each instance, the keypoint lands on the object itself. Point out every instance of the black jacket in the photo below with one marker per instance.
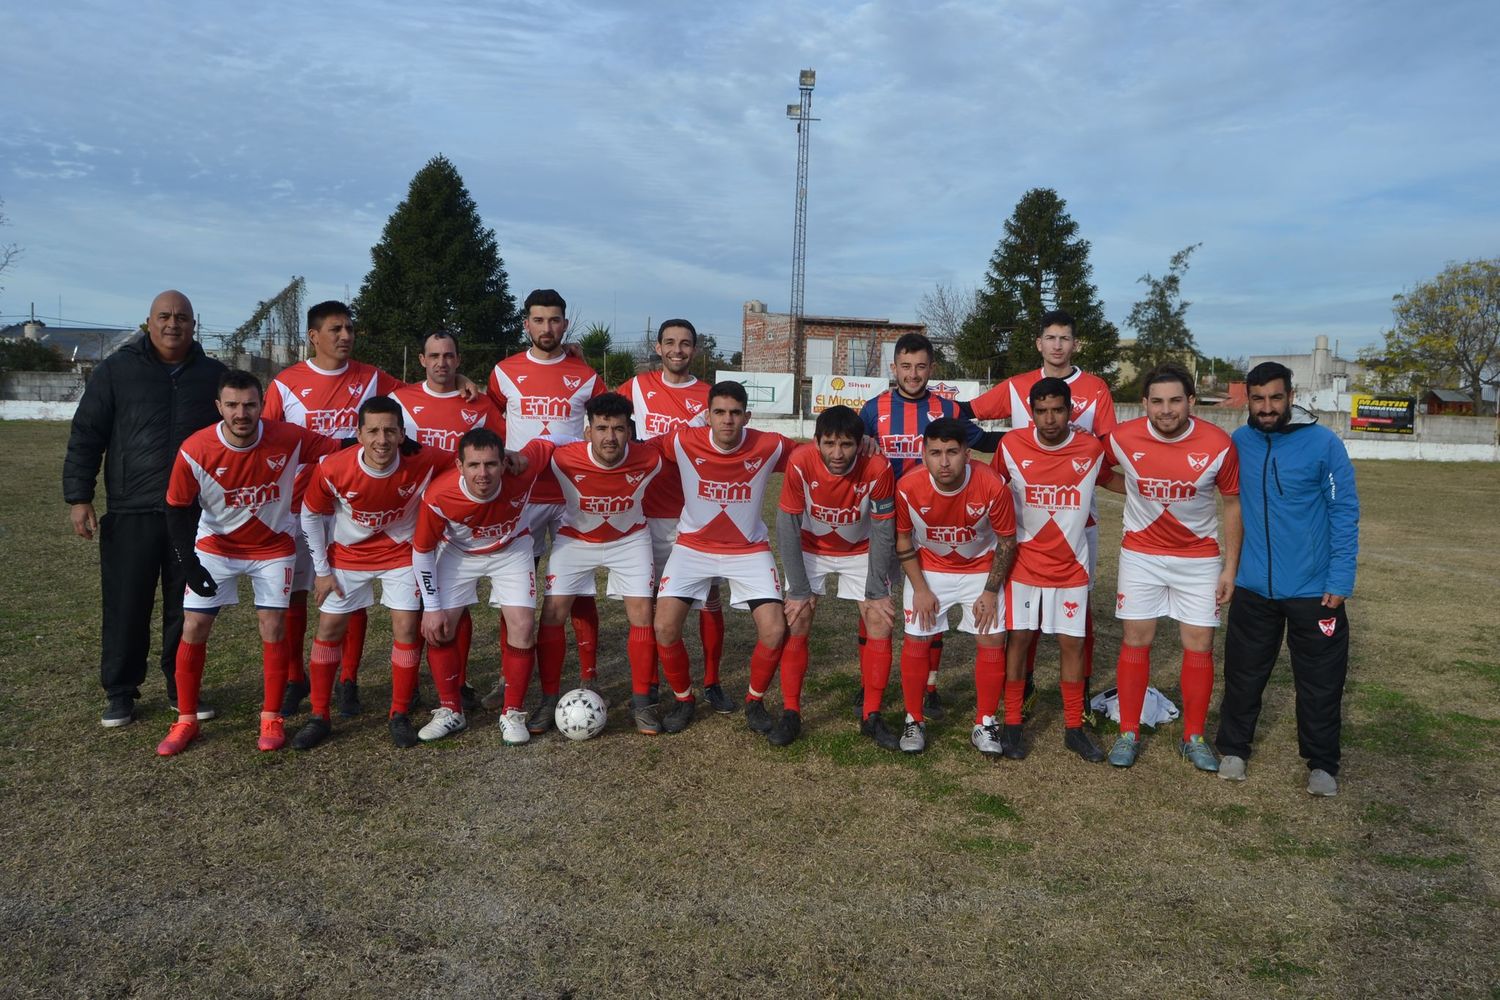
(134, 415)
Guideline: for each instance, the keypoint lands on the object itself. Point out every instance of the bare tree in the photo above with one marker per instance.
(945, 310)
(9, 252)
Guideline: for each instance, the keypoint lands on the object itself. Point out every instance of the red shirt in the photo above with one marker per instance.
(660, 408)
(723, 490)
(836, 511)
(1093, 406)
(543, 399)
(439, 419)
(955, 532)
(375, 513)
(1169, 486)
(602, 504)
(479, 525)
(1053, 489)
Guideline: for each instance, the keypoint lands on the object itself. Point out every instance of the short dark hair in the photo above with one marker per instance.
(668, 324)
(380, 404)
(733, 390)
(234, 378)
(544, 297)
(442, 334)
(947, 429)
(480, 438)
(839, 421)
(608, 404)
(1057, 317)
(324, 310)
(1267, 372)
(1050, 387)
(912, 343)
(1168, 372)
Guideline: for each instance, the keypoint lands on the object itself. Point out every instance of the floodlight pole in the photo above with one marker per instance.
(802, 115)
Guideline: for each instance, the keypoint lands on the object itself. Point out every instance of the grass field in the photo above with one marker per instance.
(711, 864)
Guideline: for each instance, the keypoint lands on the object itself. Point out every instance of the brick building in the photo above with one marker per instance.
(836, 345)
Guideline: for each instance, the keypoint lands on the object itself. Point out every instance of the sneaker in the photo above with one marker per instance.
(469, 699)
(121, 712)
(1126, 749)
(513, 731)
(402, 733)
(987, 740)
(543, 719)
(647, 719)
(291, 698)
(875, 728)
(314, 731)
(204, 712)
(786, 730)
(1197, 750)
(718, 700)
(495, 699)
(913, 737)
(1080, 742)
(272, 734)
(178, 738)
(681, 715)
(445, 722)
(1232, 768)
(932, 706)
(1028, 698)
(346, 695)
(757, 718)
(1014, 747)
(1321, 783)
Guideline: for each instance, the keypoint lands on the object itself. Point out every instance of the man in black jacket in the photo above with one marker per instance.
(139, 406)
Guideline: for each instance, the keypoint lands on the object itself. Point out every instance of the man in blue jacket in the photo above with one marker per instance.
(1301, 519)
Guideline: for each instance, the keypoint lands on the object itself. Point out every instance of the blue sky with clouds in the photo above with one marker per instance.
(638, 158)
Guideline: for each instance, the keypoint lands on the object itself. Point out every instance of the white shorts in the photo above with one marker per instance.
(752, 576)
(271, 579)
(962, 589)
(663, 534)
(543, 520)
(571, 566)
(1179, 587)
(398, 590)
(1053, 610)
(302, 569)
(852, 571)
(511, 572)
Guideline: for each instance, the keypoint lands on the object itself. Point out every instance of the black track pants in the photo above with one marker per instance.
(135, 560)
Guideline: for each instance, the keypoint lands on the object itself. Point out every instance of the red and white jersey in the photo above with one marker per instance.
(722, 491)
(479, 525)
(325, 402)
(660, 408)
(1093, 406)
(245, 493)
(374, 513)
(1169, 486)
(601, 504)
(955, 532)
(439, 419)
(543, 400)
(836, 511)
(1053, 490)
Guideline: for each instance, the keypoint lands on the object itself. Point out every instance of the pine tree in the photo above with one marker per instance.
(436, 267)
(1160, 322)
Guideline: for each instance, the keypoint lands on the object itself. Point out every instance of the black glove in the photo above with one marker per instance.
(410, 447)
(199, 579)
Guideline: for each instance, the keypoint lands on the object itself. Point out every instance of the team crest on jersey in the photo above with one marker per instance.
(1070, 608)
(1198, 461)
(1079, 405)
(406, 491)
(634, 480)
(755, 465)
(356, 388)
(1081, 465)
(860, 489)
(693, 405)
(975, 509)
(518, 501)
(276, 462)
(572, 383)
(1328, 625)
(469, 415)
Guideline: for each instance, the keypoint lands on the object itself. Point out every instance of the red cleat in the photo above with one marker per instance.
(272, 734)
(178, 738)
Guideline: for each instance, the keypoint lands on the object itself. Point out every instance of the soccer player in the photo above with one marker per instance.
(372, 494)
(837, 516)
(541, 392)
(241, 472)
(604, 481)
(956, 541)
(895, 421)
(478, 516)
(725, 468)
(1052, 469)
(1170, 559)
(664, 401)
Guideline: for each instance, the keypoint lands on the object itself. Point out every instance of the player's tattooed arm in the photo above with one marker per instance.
(1005, 558)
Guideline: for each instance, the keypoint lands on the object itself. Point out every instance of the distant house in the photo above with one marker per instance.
(836, 345)
(1448, 402)
(82, 346)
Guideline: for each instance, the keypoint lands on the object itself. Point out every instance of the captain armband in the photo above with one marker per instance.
(883, 506)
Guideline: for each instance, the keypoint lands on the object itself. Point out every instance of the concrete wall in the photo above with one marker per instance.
(50, 387)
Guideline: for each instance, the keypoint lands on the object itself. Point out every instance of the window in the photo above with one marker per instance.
(820, 355)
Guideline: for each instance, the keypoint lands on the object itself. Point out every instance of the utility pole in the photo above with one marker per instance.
(802, 115)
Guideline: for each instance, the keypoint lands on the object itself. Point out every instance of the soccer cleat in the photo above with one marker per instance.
(681, 715)
(402, 733)
(1232, 768)
(178, 738)
(291, 698)
(469, 699)
(1321, 783)
(1028, 698)
(718, 700)
(787, 729)
(346, 693)
(272, 734)
(1014, 745)
(496, 698)
(314, 731)
(1126, 749)
(1197, 750)
(757, 718)
(544, 718)
(874, 727)
(513, 731)
(445, 722)
(913, 737)
(932, 706)
(647, 719)
(121, 712)
(987, 740)
(203, 713)
(1081, 743)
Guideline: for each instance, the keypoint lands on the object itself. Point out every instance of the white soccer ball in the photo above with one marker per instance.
(580, 714)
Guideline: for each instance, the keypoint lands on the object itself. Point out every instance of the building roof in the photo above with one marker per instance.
(75, 343)
(1450, 396)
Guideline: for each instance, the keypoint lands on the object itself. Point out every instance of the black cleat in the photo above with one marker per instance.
(402, 733)
(291, 698)
(469, 698)
(544, 718)
(757, 718)
(718, 700)
(787, 730)
(932, 707)
(346, 693)
(121, 712)
(315, 731)
(1012, 745)
(647, 719)
(681, 715)
(1081, 743)
(874, 727)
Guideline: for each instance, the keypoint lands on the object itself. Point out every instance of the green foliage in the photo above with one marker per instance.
(618, 366)
(595, 344)
(30, 356)
(1039, 264)
(437, 267)
(1160, 322)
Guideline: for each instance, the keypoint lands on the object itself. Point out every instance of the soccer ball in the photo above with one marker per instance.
(580, 714)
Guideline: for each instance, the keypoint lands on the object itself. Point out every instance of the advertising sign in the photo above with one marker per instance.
(959, 390)
(1382, 414)
(769, 392)
(844, 390)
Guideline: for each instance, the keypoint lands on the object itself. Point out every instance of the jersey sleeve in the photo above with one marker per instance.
(538, 454)
(386, 384)
(315, 446)
(1228, 477)
(1003, 514)
(883, 494)
(492, 390)
(793, 500)
(1104, 416)
(869, 416)
(787, 447)
(273, 408)
(994, 404)
(903, 513)
(182, 486)
(319, 495)
(430, 525)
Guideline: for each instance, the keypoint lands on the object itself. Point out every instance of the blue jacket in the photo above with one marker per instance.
(1300, 510)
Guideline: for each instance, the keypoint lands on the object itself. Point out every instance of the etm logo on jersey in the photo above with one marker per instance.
(1166, 491)
(1046, 497)
(954, 535)
(1198, 461)
(834, 515)
(724, 494)
(605, 506)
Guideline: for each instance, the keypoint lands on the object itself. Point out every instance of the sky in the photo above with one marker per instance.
(638, 157)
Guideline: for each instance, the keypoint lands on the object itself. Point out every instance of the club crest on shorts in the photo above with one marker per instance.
(1119, 602)
(1328, 625)
(1070, 608)
(1198, 460)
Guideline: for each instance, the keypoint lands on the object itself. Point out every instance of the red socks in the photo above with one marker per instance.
(874, 672)
(793, 670)
(1015, 697)
(322, 666)
(989, 681)
(273, 671)
(515, 667)
(405, 658)
(641, 651)
(1132, 674)
(711, 631)
(463, 636)
(1072, 696)
(354, 645)
(763, 668)
(190, 656)
(934, 656)
(1197, 688)
(916, 654)
(551, 647)
(444, 663)
(674, 665)
(296, 638)
(585, 617)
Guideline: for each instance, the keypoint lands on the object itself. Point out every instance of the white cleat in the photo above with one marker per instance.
(445, 722)
(513, 731)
